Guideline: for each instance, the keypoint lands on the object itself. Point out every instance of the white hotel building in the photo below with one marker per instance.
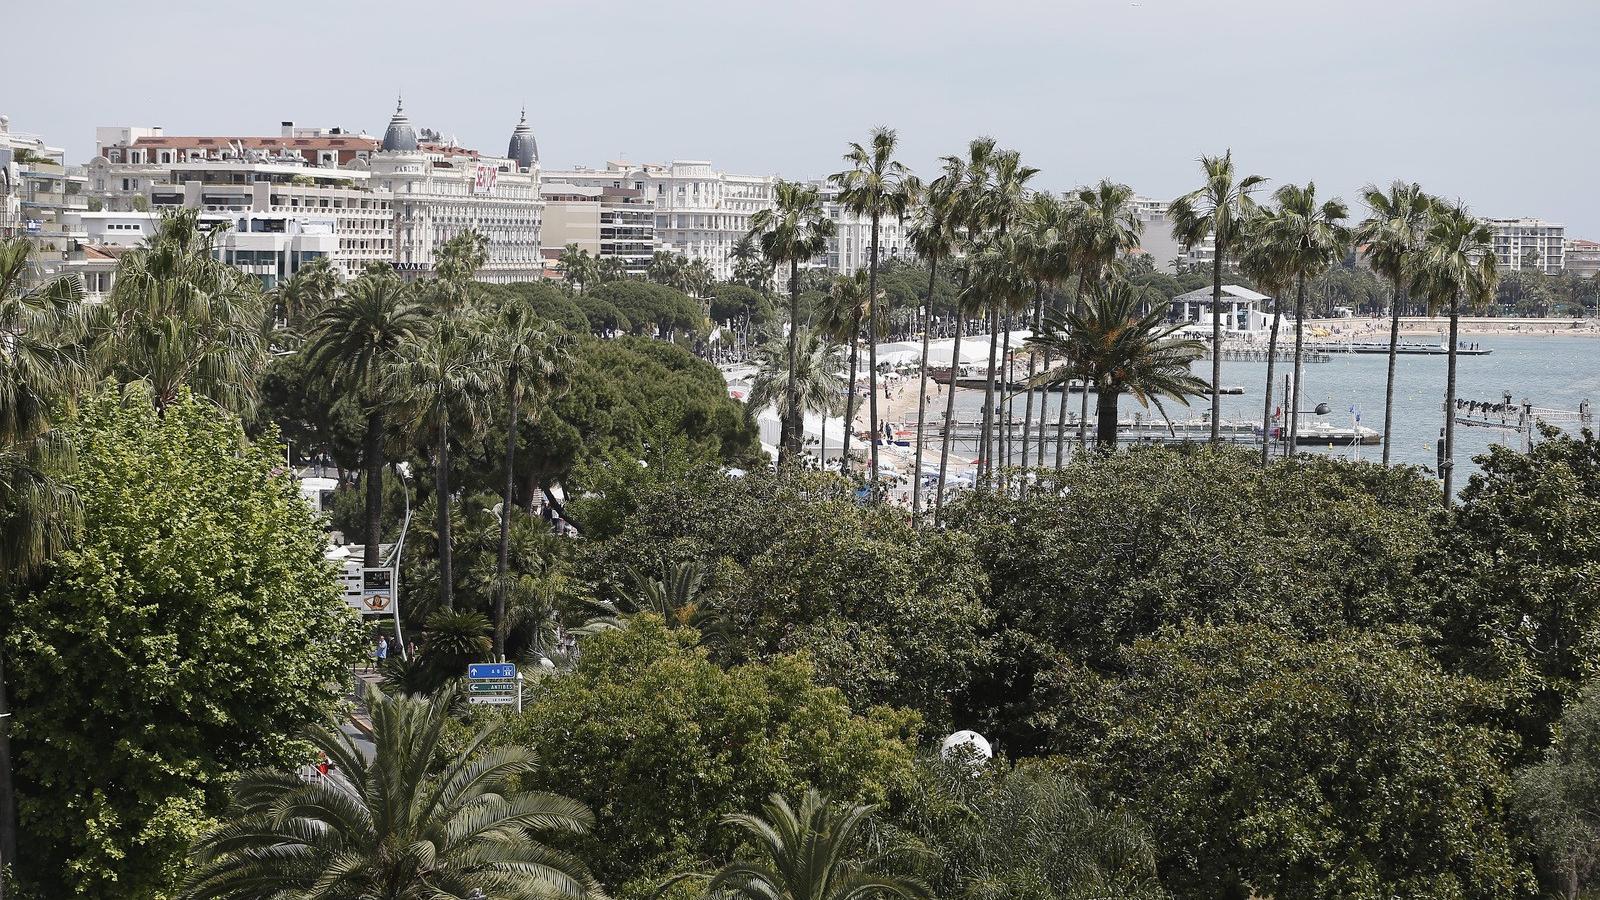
(1528, 244)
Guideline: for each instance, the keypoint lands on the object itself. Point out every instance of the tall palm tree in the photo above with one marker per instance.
(1106, 229)
(809, 853)
(1216, 210)
(840, 319)
(535, 366)
(1000, 279)
(301, 296)
(1265, 259)
(1313, 237)
(969, 180)
(455, 266)
(443, 375)
(1392, 238)
(1120, 349)
(813, 384)
(354, 344)
(412, 822)
(794, 230)
(666, 268)
(1456, 265)
(876, 186)
(1046, 248)
(1001, 206)
(41, 364)
(180, 317)
(932, 238)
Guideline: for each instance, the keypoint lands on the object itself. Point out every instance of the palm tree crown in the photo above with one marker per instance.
(390, 828)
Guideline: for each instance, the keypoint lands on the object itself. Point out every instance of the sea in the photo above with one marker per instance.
(1555, 372)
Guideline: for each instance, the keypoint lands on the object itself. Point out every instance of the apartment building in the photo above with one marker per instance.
(1528, 244)
(606, 221)
(1581, 258)
(41, 197)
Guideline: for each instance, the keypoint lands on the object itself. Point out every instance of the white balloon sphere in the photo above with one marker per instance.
(970, 741)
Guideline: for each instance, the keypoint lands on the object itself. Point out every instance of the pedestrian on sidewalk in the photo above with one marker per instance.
(383, 650)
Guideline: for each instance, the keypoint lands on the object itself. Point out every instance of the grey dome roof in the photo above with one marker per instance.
(400, 136)
(524, 150)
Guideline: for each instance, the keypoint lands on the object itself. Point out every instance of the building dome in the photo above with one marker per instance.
(400, 137)
(524, 150)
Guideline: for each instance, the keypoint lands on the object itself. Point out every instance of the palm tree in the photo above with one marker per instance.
(698, 279)
(1216, 210)
(1044, 245)
(1313, 237)
(1457, 263)
(577, 267)
(41, 364)
(813, 384)
(876, 186)
(679, 597)
(1000, 206)
(307, 292)
(443, 375)
(1106, 229)
(666, 268)
(1121, 350)
(180, 317)
(998, 278)
(413, 822)
(810, 853)
(535, 366)
(456, 265)
(354, 345)
(748, 267)
(932, 238)
(1264, 259)
(1392, 236)
(968, 179)
(792, 231)
(839, 317)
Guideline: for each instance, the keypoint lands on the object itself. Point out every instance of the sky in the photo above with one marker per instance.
(1487, 101)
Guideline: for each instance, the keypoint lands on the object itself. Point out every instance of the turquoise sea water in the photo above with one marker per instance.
(1553, 371)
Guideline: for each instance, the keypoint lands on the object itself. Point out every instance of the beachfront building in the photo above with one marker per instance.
(1166, 253)
(700, 212)
(1242, 309)
(41, 197)
(310, 192)
(609, 222)
(850, 249)
(440, 191)
(1526, 244)
(1581, 258)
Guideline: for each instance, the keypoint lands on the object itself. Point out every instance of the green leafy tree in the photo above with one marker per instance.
(178, 317)
(355, 346)
(1456, 267)
(187, 634)
(662, 743)
(1346, 767)
(1392, 238)
(813, 852)
(793, 231)
(877, 186)
(410, 822)
(1559, 796)
(1217, 210)
(1121, 351)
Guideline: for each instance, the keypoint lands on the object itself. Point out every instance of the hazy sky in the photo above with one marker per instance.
(1491, 101)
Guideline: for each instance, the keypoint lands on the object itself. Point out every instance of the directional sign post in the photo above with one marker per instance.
(496, 684)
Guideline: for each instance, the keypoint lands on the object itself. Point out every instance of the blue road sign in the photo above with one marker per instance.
(491, 670)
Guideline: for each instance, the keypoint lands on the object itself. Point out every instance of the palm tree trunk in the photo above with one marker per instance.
(787, 440)
(922, 396)
(1044, 403)
(850, 396)
(1447, 468)
(872, 351)
(372, 453)
(1272, 357)
(441, 488)
(950, 402)
(1216, 342)
(1294, 396)
(503, 562)
(1007, 399)
(986, 443)
(1388, 384)
(1083, 413)
(1061, 421)
(1033, 370)
(1105, 410)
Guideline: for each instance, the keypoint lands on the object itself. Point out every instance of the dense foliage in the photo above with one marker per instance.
(192, 629)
